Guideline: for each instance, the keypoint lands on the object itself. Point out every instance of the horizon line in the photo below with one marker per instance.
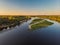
(29, 15)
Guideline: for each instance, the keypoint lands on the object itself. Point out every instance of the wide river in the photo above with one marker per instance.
(21, 35)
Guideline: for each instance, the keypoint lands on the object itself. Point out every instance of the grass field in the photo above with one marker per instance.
(36, 20)
(42, 24)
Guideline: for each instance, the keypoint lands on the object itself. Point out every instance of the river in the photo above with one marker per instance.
(21, 35)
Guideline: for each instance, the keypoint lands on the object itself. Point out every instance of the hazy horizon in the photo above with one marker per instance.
(30, 7)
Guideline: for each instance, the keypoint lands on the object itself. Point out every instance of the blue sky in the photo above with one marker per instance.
(31, 5)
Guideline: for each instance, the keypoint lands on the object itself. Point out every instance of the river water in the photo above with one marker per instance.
(21, 35)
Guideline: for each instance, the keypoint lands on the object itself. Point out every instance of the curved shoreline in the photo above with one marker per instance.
(39, 23)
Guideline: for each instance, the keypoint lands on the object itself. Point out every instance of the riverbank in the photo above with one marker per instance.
(9, 22)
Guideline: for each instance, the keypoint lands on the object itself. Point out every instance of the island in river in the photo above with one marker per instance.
(39, 23)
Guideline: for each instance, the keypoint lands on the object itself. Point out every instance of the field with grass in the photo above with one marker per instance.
(39, 23)
(36, 20)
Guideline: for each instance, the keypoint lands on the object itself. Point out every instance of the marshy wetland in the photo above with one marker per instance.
(11, 21)
(22, 35)
(39, 23)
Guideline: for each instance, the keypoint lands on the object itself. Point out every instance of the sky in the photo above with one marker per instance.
(29, 7)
